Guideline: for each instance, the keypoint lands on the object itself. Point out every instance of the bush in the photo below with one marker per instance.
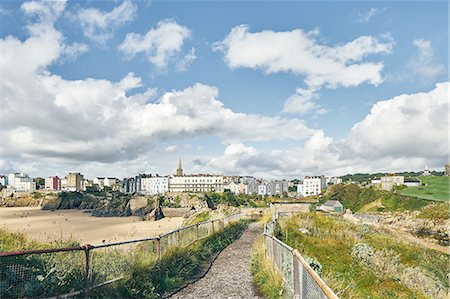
(363, 252)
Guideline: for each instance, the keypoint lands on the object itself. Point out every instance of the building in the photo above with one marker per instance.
(412, 182)
(447, 169)
(196, 183)
(331, 206)
(103, 182)
(300, 191)
(154, 185)
(313, 185)
(333, 180)
(179, 168)
(277, 187)
(75, 182)
(262, 189)
(232, 187)
(388, 182)
(52, 183)
(3, 180)
(426, 172)
(21, 182)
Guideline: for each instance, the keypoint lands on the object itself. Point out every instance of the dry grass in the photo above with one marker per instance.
(265, 274)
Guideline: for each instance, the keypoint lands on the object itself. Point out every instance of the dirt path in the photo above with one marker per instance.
(229, 276)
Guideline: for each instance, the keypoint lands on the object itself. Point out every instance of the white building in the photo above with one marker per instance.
(21, 182)
(262, 189)
(196, 183)
(233, 187)
(52, 183)
(313, 185)
(154, 185)
(300, 191)
(334, 180)
(388, 182)
(105, 182)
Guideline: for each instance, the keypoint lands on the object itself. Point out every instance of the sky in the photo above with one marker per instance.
(264, 88)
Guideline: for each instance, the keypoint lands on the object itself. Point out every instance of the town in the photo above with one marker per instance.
(20, 184)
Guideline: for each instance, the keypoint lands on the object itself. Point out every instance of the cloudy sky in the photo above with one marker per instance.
(258, 88)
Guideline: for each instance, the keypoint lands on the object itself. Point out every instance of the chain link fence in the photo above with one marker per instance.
(79, 270)
(299, 278)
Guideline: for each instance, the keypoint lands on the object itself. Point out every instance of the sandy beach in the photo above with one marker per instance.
(47, 225)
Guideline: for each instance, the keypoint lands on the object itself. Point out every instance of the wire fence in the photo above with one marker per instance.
(299, 278)
(81, 270)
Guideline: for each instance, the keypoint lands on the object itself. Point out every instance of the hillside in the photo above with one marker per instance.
(435, 188)
(355, 198)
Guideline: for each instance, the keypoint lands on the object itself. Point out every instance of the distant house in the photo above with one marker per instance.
(412, 182)
(331, 206)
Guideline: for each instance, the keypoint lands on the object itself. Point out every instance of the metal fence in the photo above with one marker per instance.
(81, 270)
(299, 278)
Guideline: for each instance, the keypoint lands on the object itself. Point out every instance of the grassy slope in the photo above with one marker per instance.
(436, 188)
(359, 199)
(331, 241)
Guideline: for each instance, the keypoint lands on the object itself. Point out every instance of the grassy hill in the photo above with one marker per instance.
(358, 199)
(436, 188)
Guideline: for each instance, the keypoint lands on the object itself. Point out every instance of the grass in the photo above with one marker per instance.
(396, 269)
(150, 278)
(265, 274)
(436, 212)
(47, 275)
(436, 188)
(201, 217)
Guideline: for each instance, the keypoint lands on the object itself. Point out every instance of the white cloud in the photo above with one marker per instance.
(44, 11)
(99, 25)
(406, 132)
(303, 102)
(365, 17)
(161, 44)
(423, 65)
(48, 118)
(300, 53)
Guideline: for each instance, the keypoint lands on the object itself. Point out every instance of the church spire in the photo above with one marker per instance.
(179, 169)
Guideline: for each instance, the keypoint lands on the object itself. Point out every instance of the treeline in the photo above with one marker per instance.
(355, 198)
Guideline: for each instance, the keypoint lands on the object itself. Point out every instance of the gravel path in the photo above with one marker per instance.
(229, 276)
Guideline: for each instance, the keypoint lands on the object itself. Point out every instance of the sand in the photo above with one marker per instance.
(47, 225)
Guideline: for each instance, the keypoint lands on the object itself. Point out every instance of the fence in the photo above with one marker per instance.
(299, 278)
(81, 270)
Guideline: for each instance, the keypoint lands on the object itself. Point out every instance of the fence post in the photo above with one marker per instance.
(297, 293)
(158, 248)
(196, 231)
(87, 276)
(274, 248)
(213, 230)
(178, 237)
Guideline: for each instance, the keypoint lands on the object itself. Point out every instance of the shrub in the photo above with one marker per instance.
(363, 252)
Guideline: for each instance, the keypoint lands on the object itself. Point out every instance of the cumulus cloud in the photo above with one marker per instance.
(48, 118)
(160, 45)
(406, 132)
(299, 52)
(99, 25)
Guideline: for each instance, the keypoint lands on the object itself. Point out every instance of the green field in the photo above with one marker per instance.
(435, 188)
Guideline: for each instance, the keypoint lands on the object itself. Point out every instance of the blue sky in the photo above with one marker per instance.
(412, 43)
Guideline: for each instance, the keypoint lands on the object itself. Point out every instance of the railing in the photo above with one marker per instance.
(299, 278)
(78, 270)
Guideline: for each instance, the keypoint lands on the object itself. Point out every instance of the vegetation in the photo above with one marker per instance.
(47, 275)
(367, 177)
(436, 212)
(265, 274)
(356, 198)
(359, 262)
(435, 188)
(150, 278)
(236, 200)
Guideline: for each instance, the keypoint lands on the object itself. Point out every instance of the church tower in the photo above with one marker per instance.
(179, 169)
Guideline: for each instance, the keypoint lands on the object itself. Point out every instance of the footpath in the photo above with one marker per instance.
(229, 276)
